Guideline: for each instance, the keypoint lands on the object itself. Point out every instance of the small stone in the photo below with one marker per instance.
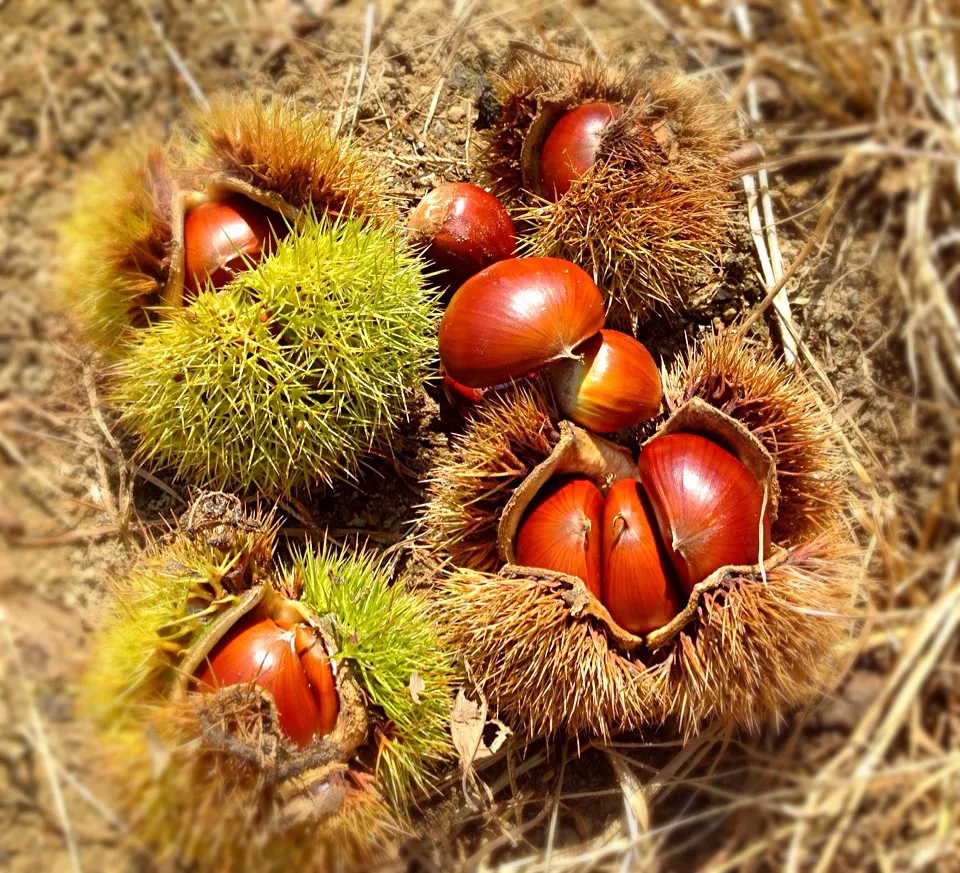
(455, 114)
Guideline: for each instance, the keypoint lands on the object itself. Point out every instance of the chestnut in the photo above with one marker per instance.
(561, 531)
(708, 505)
(613, 384)
(515, 317)
(570, 148)
(286, 660)
(638, 590)
(222, 237)
(464, 230)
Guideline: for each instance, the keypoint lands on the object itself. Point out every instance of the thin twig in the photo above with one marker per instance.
(174, 56)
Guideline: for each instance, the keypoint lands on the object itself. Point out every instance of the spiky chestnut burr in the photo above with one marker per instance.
(772, 635)
(290, 154)
(647, 217)
(289, 374)
(761, 644)
(123, 265)
(504, 440)
(235, 792)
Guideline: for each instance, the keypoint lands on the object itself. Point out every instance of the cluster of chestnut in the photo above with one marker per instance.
(520, 315)
(641, 549)
(287, 659)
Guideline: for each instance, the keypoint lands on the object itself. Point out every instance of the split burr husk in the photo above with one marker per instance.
(648, 219)
(123, 242)
(750, 643)
(207, 779)
(289, 374)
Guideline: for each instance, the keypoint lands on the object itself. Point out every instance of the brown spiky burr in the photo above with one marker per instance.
(648, 218)
(751, 641)
(290, 154)
(756, 645)
(505, 439)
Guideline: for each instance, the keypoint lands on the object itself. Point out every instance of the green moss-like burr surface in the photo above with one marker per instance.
(289, 374)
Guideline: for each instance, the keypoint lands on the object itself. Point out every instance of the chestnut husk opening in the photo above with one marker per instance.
(216, 187)
(550, 112)
(583, 453)
(326, 759)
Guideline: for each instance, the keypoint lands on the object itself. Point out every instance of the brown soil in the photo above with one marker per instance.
(80, 75)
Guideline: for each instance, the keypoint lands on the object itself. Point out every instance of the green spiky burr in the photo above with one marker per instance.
(292, 372)
(383, 632)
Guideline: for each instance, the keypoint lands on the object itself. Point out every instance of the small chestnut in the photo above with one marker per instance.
(638, 589)
(515, 317)
(222, 237)
(464, 230)
(612, 385)
(561, 531)
(707, 503)
(570, 148)
(287, 661)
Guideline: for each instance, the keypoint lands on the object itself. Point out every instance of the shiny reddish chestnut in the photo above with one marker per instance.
(561, 531)
(220, 234)
(290, 663)
(464, 230)
(612, 385)
(707, 503)
(638, 590)
(515, 317)
(570, 148)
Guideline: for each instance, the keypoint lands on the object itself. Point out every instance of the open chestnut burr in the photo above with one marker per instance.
(693, 622)
(625, 170)
(279, 694)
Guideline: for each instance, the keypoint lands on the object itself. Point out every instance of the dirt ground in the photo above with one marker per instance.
(77, 76)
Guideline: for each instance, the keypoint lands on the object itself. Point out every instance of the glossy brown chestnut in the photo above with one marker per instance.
(515, 317)
(220, 234)
(707, 503)
(612, 385)
(638, 590)
(290, 663)
(464, 230)
(561, 531)
(571, 146)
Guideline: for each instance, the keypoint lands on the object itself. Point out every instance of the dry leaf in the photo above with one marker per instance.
(416, 686)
